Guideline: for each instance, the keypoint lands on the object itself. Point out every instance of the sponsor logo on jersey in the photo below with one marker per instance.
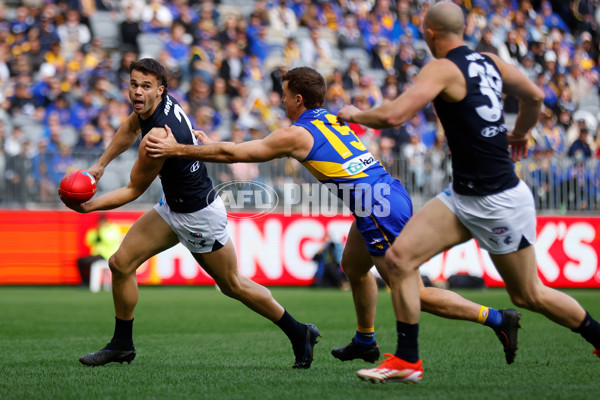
(168, 105)
(197, 243)
(196, 234)
(491, 131)
(359, 163)
(195, 166)
(500, 230)
(474, 57)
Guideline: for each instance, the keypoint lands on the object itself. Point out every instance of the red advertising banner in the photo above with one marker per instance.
(41, 247)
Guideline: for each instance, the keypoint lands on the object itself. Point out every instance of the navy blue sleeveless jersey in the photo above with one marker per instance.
(475, 130)
(185, 183)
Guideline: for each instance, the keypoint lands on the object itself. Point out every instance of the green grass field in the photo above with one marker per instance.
(196, 343)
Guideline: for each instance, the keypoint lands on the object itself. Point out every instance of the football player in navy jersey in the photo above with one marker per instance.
(485, 201)
(379, 203)
(189, 213)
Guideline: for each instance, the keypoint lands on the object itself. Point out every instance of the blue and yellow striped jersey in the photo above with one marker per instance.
(338, 156)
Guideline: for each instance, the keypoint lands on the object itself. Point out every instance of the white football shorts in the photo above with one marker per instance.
(201, 231)
(502, 222)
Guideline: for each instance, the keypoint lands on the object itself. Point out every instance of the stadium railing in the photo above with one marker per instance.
(559, 184)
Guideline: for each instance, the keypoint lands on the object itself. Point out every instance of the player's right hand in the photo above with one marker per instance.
(518, 146)
(97, 171)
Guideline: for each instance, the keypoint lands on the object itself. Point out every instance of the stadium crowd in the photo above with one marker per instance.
(64, 81)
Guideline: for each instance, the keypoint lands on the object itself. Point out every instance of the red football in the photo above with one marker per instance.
(77, 186)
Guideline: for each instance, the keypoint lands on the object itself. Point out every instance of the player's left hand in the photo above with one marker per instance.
(346, 112)
(165, 147)
(518, 146)
(80, 208)
(202, 137)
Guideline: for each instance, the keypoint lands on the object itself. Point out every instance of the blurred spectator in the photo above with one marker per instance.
(312, 17)
(513, 50)
(316, 51)
(282, 20)
(352, 75)
(581, 88)
(552, 19)
(156, 17)
(403, 27)
(199, 95)
(18, 173)
(552, 134)
(335, 98)
(329, 272)
(22, 102)
(485, 44)
(88, 148)
(382, 56)
(179, 50)
(130, 30)
(220, 98)
(48, 33)
(232, 68)
(349, 35)
(369, 90)
(415, 152)
(13, 144)
(73, 34)
(291, 53)
(580, 149)
(438, 166)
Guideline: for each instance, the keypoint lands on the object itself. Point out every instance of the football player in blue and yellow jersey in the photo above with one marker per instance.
(380, 204)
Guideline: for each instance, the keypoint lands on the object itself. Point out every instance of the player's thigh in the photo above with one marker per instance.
(148, 236)
(220, 264)
(433, 229)
(518, 270)
(356, 259)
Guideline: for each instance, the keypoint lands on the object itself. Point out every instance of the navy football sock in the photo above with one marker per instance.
(293, 329)
(364, 339)
(590, 330)
(408, 347)
(123, 336)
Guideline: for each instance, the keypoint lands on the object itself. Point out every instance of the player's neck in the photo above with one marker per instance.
(445, 47)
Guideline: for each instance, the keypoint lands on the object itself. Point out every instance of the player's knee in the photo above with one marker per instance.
(395, 261)
(117, 266)
(529, 301)
(232, 288)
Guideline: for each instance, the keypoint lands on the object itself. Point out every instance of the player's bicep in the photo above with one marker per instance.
(280, 143)
(515, 83)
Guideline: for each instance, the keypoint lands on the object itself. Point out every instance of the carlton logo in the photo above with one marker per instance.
(248, 198)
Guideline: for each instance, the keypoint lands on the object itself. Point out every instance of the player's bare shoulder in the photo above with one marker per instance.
(296, 140)
(445, 78)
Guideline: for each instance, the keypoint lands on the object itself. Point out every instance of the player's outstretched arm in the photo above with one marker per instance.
(124, 138)
(144, 171)
(436, 77)
(291, 141)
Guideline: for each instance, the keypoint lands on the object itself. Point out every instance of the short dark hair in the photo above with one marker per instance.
(308, 83)
(150, 66)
